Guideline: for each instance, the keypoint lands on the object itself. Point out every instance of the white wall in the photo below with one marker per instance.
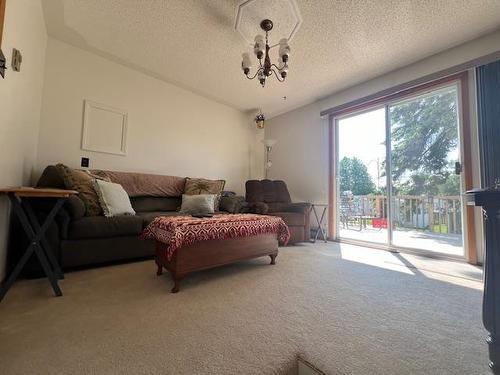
(301, 155)
(170, 130)
(20, 101)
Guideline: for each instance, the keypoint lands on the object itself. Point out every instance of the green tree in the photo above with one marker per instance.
(354, 177)
(423, 132)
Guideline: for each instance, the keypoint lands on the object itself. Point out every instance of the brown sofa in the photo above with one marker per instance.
(272, 198)
(79, 240)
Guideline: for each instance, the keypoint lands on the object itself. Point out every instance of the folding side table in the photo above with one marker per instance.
(19, 198)
(319, 220)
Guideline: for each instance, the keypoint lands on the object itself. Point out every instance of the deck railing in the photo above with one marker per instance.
(441, 214)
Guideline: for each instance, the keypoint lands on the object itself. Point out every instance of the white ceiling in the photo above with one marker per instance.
(193, 43)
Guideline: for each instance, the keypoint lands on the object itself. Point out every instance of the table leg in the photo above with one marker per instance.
(35, 237)
(323, 234)
(15, 272)
(49, 219)
(320, 224)
(46, 267)
(313, 208)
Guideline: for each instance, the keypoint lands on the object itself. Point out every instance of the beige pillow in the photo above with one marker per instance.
(198, 204)
(82, 182)
(113, 198)
(196, 186)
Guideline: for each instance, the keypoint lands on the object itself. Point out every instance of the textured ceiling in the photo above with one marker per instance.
(193, 43)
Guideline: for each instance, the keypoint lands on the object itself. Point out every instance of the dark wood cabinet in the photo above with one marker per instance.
(489, 200)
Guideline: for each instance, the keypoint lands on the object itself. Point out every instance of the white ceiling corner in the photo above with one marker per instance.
(194, 44)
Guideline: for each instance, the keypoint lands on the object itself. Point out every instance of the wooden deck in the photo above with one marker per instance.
(449, 244)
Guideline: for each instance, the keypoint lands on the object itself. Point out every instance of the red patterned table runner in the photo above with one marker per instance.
(177, 231)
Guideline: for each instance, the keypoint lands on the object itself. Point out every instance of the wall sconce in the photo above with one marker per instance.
(268, 143)
(17, 58)
(3, 60)
(2, 64)
(260, 120)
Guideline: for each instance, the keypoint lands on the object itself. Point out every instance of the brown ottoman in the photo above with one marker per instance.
(185, 244)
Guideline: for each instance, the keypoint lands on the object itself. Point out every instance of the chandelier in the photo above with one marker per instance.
(261, 50)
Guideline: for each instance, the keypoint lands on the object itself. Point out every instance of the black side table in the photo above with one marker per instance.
(489, 200)
(19, 198)
(319, 220)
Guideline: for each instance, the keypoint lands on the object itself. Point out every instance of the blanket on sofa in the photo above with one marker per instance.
(144, 184)
(175, 232)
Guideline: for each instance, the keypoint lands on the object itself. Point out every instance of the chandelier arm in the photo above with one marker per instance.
(278, 69)
(255, 75)
(277, 77)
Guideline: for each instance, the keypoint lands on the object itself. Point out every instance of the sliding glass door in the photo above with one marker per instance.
(362, 192)
(414, 200)
(425, 172)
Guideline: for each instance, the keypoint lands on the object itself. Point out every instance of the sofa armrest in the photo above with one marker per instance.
(255, 208)
(75, 207)
(63, 220)
(302, 207)
(64, 216)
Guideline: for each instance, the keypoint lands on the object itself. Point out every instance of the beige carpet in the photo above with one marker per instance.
(347, 311)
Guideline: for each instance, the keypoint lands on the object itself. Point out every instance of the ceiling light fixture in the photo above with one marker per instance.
(261, 50)
(260, 120)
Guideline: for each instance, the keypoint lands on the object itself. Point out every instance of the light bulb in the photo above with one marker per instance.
(284, 51)
(259, 47)
(246, 63)
(283, 68)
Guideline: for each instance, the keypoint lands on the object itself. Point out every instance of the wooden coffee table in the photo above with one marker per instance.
(209, 254)
(185, 244)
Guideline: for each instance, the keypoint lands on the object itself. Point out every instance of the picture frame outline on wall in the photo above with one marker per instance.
(98, 123)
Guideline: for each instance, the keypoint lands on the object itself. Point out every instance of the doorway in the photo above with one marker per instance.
(397, 166)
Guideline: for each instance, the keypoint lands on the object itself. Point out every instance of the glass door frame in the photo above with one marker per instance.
(461, 81)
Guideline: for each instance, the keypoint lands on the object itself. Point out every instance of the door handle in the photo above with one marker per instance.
(458, 167)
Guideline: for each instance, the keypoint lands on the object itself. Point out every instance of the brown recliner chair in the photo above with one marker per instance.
(272, 198)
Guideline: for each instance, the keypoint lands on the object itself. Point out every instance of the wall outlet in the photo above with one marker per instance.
(85, 162)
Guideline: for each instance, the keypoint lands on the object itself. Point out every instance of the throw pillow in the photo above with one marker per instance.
(231, 204)
(82, 182)
(196, 186)
(113, 198)
(198, 204)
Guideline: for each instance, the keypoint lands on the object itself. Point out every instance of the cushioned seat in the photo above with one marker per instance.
(101, 226)
(291, 218)
(272, 198)
(148, 217)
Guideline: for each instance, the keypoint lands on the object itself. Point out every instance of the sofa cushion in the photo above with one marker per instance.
(144, 184)
(148, 217)
(82, 182)
(267, 191)
(101, 226)
(201, 204)
(291, 218)
(151, 204)
(195, 186)
(113, 199)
